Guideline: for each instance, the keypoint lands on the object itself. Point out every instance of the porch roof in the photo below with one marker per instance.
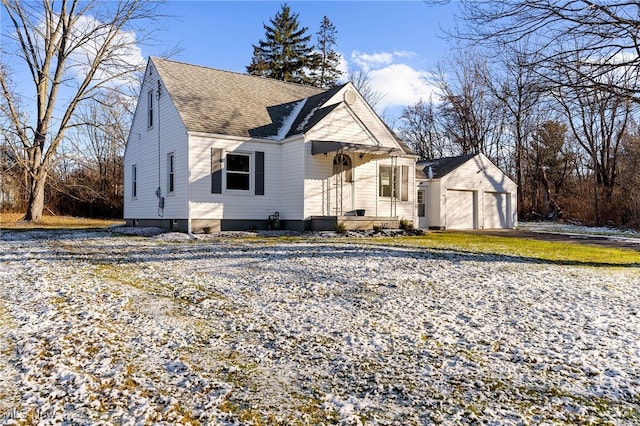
(324, 147)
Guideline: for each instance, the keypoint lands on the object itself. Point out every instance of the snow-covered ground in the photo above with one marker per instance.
(567, 228)
(103, 329)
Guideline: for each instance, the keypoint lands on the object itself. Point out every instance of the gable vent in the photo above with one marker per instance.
(350, 97)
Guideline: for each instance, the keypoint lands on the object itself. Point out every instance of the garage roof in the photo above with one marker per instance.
(441, 166)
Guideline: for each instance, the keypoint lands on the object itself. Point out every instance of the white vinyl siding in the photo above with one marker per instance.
(233, 203)
(150, 157)
(317, 190)
(294, 186)
(494, 196)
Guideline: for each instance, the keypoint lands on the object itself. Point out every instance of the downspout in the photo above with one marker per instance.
(188, 192)
(159, 190)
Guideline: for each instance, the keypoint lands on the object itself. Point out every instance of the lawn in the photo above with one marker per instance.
(113, 329)
(13, 221)
(534, 250)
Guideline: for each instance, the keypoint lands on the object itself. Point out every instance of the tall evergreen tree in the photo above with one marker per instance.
(285, 54)
(325, 72)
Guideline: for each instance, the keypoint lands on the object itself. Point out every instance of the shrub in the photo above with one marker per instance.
(405, 224)
(341, 228)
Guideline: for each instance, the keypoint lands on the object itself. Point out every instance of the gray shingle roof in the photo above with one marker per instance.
(226, 103)
(441, 166)
(222, 102)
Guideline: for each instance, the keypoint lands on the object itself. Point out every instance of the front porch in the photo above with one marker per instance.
(352, 222)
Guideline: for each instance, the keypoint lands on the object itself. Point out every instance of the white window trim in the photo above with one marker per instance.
(396, 184)
(391, 176)
(251, 173)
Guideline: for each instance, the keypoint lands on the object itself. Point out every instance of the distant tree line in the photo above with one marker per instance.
(549, 92)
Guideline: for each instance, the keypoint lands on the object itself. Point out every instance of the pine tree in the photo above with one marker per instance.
(325, 70)
(285, 54)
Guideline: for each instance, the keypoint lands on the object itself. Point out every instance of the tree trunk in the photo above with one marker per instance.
(35, 205)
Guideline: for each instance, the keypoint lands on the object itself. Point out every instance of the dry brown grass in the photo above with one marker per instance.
(12, 221)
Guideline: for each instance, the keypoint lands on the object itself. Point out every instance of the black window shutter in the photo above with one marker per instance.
(259, 174)
(216, 171)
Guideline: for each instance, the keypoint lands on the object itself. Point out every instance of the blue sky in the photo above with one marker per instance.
(398, 42)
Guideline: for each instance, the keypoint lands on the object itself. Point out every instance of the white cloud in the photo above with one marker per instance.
(401, 85)
(343, 66)
(404, 54)
(372, 61)
(88, 37)
(368, 61)
(391, 75)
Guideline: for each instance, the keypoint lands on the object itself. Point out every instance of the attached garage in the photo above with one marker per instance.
(465, 192)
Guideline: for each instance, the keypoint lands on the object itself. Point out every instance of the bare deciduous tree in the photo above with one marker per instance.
(471, 117)
(517, 87)
(591, 38)
(71, 50)
(420, 130)
(598, 118)
(361, 81)
(549, 166)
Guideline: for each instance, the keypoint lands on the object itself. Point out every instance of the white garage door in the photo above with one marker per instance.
(460, 209)
(496, 213)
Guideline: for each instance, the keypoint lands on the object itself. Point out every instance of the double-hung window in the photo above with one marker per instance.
(386, 183)
(393, 182)
(238, 172)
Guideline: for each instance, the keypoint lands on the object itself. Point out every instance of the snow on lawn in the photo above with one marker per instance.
(567, 228)
(131, 330)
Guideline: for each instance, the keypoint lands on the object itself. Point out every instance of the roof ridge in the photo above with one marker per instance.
(276, 81)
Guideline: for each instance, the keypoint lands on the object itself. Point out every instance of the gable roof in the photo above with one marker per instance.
(223, 102)
(214, 101)
(312, 112)
(440, 167)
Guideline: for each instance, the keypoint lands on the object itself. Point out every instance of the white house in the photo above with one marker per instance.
(216, 150)
(465, 192)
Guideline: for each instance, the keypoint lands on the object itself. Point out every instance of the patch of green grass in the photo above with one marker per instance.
(555, 252)
(468, 243)
(14, 221)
